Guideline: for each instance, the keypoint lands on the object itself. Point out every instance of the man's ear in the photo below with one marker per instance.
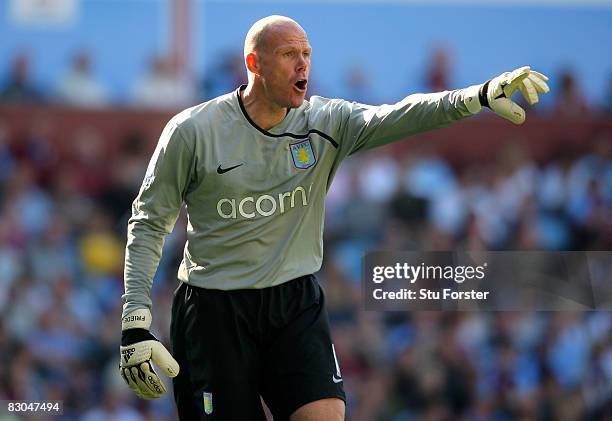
(252, 63)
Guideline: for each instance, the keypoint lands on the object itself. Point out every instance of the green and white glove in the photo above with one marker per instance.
(138, 349)
(495, 94)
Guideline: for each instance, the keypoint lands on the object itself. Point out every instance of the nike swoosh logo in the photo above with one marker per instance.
(336, 379)
(224, 170)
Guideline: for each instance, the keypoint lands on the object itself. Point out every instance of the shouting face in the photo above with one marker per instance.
(281, 62)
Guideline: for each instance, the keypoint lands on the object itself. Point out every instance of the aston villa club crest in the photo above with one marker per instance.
(302, 154)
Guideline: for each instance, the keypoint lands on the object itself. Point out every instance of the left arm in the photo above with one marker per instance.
(363, 127)
(367, 126)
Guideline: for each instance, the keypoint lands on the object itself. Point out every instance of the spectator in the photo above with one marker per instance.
(570, 101)
(224, 76)
(101, 250)
(7, 160)
(437, 76)
(19, 87)
(79, 86)
(163, 86)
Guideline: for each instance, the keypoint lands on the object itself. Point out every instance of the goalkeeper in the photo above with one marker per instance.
(253, 168)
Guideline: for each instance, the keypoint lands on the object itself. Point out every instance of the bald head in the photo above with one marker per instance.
(277, 58)
(256, 38)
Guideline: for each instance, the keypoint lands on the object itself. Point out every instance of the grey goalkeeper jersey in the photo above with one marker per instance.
(254, 197)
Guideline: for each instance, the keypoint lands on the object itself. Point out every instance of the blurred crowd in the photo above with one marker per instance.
(168, 84)
(62, 235)
(404, 366)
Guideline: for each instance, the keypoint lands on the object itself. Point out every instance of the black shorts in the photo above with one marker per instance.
(235, 346)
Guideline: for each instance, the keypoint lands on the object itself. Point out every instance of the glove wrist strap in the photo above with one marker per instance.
(132, 336)
(482, 95)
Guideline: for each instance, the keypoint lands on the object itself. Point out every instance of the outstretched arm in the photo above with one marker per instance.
(362, 127)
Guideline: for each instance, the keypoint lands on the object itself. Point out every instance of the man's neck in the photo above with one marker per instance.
(265, 114)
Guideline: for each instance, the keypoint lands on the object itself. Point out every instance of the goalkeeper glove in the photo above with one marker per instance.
(495, 93)
(138, 349)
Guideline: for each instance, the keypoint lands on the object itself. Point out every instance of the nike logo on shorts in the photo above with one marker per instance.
(335, 379)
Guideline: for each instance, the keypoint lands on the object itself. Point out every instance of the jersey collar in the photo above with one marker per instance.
(278, 128)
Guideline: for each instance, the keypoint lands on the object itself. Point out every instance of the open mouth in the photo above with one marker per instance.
(301, 85)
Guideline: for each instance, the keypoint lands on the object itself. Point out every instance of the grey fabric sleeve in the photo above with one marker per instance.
(154, 213)
(364, 126)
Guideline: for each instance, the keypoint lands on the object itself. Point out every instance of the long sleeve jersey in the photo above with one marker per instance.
(255, 198)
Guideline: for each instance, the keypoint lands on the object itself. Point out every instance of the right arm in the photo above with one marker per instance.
(154, 213)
